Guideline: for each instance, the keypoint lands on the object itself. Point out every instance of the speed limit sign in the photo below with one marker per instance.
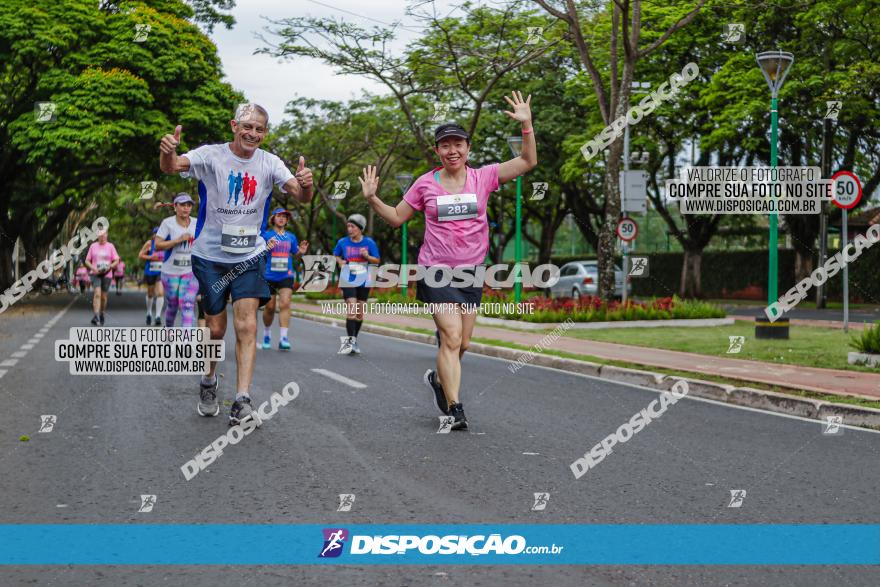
(846, 190)
(627, 229)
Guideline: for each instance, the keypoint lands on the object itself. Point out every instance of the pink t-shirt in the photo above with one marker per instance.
(454, 242)
(119, 270)
(101, 254)
(82, 274)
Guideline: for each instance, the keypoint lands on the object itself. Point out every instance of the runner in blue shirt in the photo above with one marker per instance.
(279, 274)
(354, 253)
(152, 277)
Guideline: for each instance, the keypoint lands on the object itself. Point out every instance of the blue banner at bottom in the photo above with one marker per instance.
(428, 544)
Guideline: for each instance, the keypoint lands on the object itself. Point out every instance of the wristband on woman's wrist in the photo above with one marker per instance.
(527, 131)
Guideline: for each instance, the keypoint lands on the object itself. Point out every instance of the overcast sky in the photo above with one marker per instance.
(272, 82)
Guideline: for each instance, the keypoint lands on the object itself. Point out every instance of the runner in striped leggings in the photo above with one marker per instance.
(181, 287)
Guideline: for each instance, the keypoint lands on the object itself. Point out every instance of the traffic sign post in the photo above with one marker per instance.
(627, 230)
(846, 192)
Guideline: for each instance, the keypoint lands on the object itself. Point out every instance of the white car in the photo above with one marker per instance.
(581, 278)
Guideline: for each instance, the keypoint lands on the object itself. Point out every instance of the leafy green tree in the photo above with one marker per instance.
(628, 39)
(115, 92)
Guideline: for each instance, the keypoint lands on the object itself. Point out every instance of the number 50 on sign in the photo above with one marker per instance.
(627, 229)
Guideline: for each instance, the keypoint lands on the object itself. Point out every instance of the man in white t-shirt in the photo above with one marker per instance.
(235, 189)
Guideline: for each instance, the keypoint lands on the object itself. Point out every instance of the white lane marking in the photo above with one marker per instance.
(2, 372)
(340, 378)
(27, 347)
(532, 453)
(9, 363)
(19, 354)
(623, 384)
(34, 341)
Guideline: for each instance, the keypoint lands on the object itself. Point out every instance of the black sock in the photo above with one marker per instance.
(350, 327)
(357, 326)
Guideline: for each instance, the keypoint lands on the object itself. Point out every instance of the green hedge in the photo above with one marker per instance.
(743, 274)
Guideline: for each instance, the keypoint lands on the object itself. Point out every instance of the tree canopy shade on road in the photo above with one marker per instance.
(113, 98)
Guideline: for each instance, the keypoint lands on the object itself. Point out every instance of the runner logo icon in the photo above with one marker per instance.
(833, 425)
(147, 503)
(334, 540)
(639, 267)
(541, 500)
(318, 270)
(737, 496)
(736, 344)
(346, 500)
(446, 423)
(47, 423)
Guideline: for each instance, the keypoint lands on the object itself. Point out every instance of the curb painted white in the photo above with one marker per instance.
(869, 359)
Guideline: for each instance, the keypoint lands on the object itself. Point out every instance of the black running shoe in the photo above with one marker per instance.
(101, 319)
(430, 379)
(157, 322)
(149, 320)
(457, 412)
(95, 319)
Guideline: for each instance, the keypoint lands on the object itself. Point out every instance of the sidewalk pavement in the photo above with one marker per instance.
(831, 381)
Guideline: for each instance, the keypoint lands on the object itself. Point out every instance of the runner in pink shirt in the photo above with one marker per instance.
(82, 277)
(101, 259)
(119, 276)
(453, 198)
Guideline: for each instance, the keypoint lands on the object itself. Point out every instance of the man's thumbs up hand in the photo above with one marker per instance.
(169, 143)
(303, 173)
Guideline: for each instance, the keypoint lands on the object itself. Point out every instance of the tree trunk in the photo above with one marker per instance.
(691, 274)
(608, 231)
(7, 267)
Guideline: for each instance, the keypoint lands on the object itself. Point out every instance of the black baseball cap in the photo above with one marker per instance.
(450, 129)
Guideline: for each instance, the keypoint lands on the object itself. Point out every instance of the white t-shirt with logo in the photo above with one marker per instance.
(178, 260)
(235, 194)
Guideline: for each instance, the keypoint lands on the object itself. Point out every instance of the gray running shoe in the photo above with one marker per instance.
(355, 348)
(208, 405)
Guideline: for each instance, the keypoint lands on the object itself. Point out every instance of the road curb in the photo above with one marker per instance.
(769, 401)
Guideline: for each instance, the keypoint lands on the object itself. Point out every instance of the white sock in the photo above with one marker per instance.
(160, 301)
(267, 331)
(149, 306)
(283, 332)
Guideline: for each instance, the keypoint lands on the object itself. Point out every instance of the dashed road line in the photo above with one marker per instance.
(340, 378)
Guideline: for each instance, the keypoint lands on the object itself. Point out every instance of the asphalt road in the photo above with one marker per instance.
(856, 315)
(117, 437)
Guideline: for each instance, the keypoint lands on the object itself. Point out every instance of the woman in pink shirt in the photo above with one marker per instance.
(101, 259)
(119, 276)
(453, 198)
(82, 277)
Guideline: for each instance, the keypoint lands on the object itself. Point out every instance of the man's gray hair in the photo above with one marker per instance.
(250, 110)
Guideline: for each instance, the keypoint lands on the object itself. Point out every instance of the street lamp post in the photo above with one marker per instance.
(404, 180)
(775, 66)
(515, 144)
